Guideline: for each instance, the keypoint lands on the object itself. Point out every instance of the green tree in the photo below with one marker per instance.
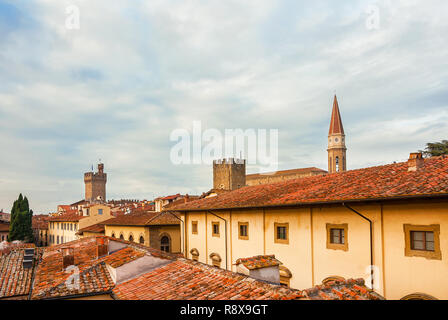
(20, 227)
(436, 149)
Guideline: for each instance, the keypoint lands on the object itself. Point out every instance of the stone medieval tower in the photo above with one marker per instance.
(229, 174)
(337, 160)
(96, 184)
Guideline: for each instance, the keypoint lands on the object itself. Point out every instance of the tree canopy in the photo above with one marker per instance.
(434, 149)
(20, 227)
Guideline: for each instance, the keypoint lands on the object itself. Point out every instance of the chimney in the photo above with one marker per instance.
(102, 246)
(28, 257)
(415, 161)
(68, 257)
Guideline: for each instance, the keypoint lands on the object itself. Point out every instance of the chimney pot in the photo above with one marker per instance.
(415, 161)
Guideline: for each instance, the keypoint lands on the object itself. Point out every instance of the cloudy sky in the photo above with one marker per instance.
(134, 71)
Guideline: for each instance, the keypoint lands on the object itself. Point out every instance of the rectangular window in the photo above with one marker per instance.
(281, 233)
(422, 241)
(215, 229)
(194, 227)
(337, 236)
(100, 211)
(243, 230)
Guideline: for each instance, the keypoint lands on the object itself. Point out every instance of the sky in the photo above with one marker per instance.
(134, 71)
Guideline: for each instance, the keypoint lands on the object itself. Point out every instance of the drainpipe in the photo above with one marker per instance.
(225, 226)
(183, 231)
(371, 239)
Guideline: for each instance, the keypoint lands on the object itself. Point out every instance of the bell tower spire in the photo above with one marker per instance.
(337, 160)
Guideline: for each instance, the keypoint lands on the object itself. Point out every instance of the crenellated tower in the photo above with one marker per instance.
(229, 174)
(95, 184)
(337, 159)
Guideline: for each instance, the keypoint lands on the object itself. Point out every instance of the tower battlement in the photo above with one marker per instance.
(95, 184)
(229, 174)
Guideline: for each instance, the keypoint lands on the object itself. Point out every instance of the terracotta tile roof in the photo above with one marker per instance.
(258, 262)
(189, 280)
(143, 219)
(50, 277)
(286, 172)
(171, 197)
(132, 219)
(164, 218)
(343, 290)
(387, 182)
(179, 201)
(14, 279)
(40, 222)
(67, 217)
(336, 122)
(95, 228)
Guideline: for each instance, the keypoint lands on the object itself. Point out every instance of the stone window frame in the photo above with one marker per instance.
(193, 225)
(431, 255)
(276, 226)
(337, 246)
(241, 237)
(215, 223)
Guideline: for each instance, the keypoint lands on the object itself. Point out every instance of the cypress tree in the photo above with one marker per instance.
(20, 227)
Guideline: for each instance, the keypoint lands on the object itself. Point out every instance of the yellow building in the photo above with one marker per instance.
(154, 229)
(393, 217)
(64, 228)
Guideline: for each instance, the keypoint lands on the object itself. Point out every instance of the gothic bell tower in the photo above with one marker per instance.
(337, 160)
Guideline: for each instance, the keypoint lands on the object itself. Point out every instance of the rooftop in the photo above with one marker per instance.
(67, 217)
(258, 262)
(132, 271)
(190, 280)
(342, 290)
(388, 182)
(15, 281)
(286, 172)
(143, 219)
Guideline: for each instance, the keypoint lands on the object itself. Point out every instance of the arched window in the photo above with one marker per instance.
(131, 238)
(418, 296)
(141, 240)
(165, 244)
(113, 235)
(57, 239)
(216, 259)
(121, 237)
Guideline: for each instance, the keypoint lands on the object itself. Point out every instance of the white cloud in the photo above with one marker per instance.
(117, 87)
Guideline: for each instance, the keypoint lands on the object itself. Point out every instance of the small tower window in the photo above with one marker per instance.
(337, 164)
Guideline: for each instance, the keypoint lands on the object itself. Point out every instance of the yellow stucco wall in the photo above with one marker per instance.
(127, 231)
(56, 229)
(137, 231)
(406, 275)
(310, 261)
